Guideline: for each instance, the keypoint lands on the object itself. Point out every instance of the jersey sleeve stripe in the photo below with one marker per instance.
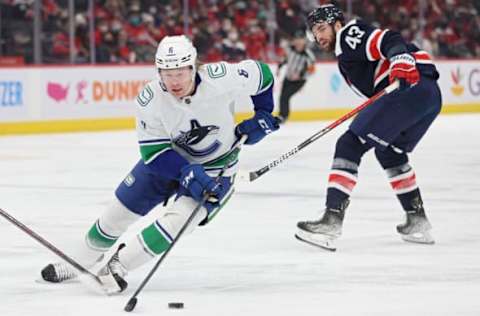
(374, 44)
(381, 72)
(379, 43)
(371, 47)
(373, 51)
(150, 152)
(266, 77)
(260, 75)
(422, 57)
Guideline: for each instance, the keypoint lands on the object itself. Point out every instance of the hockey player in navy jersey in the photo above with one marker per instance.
(186, 135)
(369, 59)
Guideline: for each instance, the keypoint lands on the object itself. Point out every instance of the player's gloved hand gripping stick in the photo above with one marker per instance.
(257, 173)
(132, 302)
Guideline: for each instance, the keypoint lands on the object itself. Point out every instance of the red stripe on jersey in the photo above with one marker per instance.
(345, 182)
(404, 183)
(374, 49)
(422, 57)
(383, 69)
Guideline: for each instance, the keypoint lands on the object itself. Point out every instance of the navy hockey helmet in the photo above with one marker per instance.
(328, 13)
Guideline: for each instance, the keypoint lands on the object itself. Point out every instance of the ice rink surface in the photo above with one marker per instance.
(247, 262)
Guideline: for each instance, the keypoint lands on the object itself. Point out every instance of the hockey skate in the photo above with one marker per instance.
(112, 274)
(58, 273)
(323, 232)
(416, 227)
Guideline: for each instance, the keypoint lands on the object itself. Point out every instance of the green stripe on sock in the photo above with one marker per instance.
(154, 239)
(99, 240)
(148, 151)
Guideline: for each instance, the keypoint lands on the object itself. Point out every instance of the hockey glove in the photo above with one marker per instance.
(195, 181)
(403, 69)
(256, 128)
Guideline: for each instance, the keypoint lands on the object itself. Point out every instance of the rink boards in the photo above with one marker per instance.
(85, 98)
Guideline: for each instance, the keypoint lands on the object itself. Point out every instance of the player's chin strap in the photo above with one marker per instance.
(253, 175)
(132, 302)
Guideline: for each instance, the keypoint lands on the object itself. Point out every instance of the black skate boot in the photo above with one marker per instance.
(58, 272)
(416, 227)
(112, 275)
(325, 231)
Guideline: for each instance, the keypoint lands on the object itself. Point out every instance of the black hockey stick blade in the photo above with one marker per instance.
(131, 304)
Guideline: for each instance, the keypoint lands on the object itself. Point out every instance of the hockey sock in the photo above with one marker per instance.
(403, 182)
(157, 237)
(401, 177)
(105, 231)
(343, 175)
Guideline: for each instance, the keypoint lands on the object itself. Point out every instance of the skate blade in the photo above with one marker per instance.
(318, 240)
(419, 238)
(112, 284)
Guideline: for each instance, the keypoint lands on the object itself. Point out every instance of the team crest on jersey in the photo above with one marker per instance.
(197, 132)
(216, 70)
(145, 96)
(129, 180)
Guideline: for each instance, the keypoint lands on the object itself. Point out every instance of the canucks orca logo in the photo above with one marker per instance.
(194, 136)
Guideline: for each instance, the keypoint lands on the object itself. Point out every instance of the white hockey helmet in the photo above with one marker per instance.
(175, 52)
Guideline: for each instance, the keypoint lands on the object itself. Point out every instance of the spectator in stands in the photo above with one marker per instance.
(232, 48)
(451, 27)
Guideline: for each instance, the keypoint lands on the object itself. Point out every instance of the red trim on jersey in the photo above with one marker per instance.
(404, 183)
(374, 49)
(384, 67)
(345, 182)
(422, 56)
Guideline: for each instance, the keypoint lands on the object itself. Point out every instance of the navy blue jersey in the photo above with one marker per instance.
(363, 53)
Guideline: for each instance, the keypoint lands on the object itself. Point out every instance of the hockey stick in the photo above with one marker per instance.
(82, 270)
(253, 175)
(132, 302)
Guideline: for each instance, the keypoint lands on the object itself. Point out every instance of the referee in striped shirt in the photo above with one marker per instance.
(300, 63)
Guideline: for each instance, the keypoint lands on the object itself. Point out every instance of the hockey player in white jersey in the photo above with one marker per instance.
(186, 133)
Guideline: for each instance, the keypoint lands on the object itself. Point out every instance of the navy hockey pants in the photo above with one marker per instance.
(401, 118)
(142, 190)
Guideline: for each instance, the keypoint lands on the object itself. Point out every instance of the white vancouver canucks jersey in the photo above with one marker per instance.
(199, 127)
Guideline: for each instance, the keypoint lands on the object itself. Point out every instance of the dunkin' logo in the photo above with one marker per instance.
(116, 90)
(457, 77)
(83, 91)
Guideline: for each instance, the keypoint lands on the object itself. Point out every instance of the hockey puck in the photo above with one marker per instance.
(175, 305)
